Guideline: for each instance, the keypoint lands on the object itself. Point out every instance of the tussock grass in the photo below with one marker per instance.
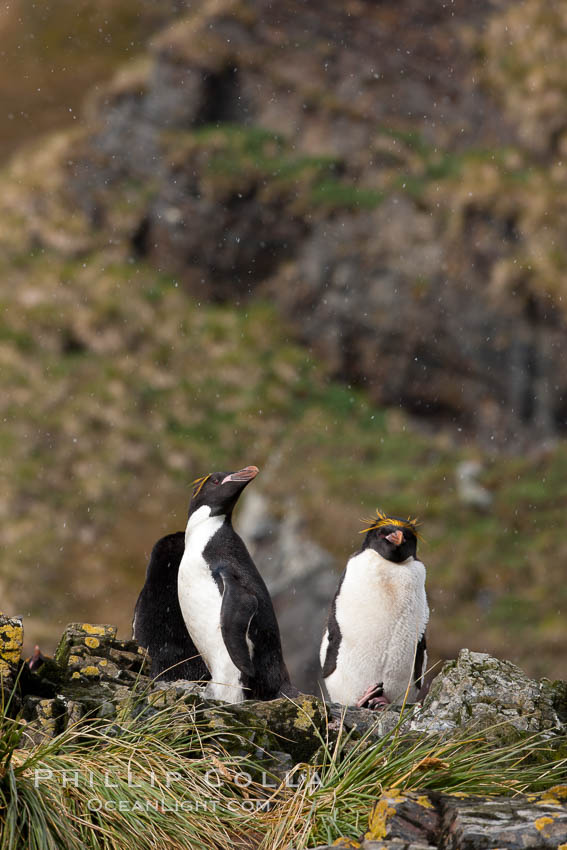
(143, 782)
(169, 780)
(351, 775)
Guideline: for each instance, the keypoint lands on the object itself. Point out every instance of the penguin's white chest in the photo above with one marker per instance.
(200, 600)
(381, 612)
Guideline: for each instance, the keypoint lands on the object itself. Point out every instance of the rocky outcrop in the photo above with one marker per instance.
(437, 370)
(422, 821)
(491, 696)
(11, 642)
(95, 675)
(91, 675)
(97, 678)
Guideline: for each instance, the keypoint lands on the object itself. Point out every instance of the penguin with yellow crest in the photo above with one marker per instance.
(373, 651)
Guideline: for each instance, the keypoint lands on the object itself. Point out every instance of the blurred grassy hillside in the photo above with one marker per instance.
(53, 52)
(121, 385)
(120, 389)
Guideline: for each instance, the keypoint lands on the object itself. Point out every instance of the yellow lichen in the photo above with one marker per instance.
(11, 639)
(304, 718)
(378, 820)
(90, 670)
(103, 662)
(94, 630)
(74, 659)
(425, 802)
(346, 843)
(542, 823)
(556, 796)
(92, 642)
(395, 795)
(75, 675)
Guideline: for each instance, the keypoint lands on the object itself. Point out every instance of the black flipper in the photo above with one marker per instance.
(419, 667)
(237, 609)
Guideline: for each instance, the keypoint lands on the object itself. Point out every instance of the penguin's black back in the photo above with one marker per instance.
(271, 677)
(158, 623)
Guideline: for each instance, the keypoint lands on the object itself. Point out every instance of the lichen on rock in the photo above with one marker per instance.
(484, 693)
(95, 677)
(11, 642)
(413, 821)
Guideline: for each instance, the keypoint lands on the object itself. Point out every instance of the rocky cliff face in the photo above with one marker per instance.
(350, 167)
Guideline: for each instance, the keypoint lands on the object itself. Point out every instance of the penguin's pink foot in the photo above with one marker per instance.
(378, 703)
(373, 697)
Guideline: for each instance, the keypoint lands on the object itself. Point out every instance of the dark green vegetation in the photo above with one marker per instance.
(233, 157)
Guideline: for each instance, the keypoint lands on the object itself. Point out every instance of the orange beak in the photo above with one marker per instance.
(395, 537)
(246, 474)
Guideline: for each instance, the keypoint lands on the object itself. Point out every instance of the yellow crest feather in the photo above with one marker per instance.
(381, 519)
(197, 484)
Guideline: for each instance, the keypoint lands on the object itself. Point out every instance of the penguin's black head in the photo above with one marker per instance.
(220, 490)
(393, 538)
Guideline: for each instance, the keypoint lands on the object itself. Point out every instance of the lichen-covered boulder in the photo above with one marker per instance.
(557, 692)
(413, 820)
(284, 731)
(404, 817)
(297, 723)
(481, 692)
(45, 718)
(91, 676)
(478, 823)
(93, 652)
(99, 676)
(361, 722)
(11, 642)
